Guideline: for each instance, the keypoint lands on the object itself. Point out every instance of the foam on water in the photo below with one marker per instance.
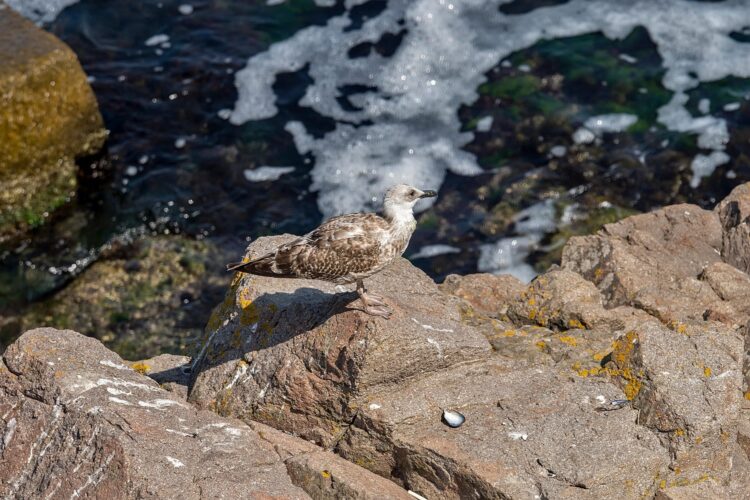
(428, 251)
(407, 129)
(39, 11)
(261, 174)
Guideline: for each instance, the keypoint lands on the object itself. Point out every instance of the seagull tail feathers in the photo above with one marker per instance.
(264, 266)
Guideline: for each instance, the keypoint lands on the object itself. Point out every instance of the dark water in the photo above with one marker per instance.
(174, 165)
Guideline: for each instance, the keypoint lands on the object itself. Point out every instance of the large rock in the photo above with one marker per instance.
(686, 385)
(667, 263)
(293, 354)
(529, 433)
(77, 422)
(734, 213)
(48, 118)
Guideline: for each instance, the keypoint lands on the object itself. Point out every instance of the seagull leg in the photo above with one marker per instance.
(373, 304)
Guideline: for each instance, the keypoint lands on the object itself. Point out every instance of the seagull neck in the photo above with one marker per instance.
(398, 215)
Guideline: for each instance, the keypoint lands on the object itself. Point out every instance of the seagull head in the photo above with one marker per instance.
(406, 196)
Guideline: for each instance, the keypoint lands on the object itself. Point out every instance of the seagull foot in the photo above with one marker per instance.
(381, 311)
(374, 305)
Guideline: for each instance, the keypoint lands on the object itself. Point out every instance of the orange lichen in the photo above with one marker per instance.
(575, 324)
(568, 339)
(622, 352)
(141, 367)
(747, 395)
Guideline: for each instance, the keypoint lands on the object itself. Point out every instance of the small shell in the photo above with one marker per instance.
(453, 418)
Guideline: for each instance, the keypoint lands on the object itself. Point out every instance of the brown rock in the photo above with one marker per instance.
(323, 474)
(487, 294)
(734, 213)
(528, 432)
(686, 384)
(48, 118)
(292, 354)
(77, 421)
(652, 261)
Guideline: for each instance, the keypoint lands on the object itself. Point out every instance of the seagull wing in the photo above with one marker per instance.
(343, 245)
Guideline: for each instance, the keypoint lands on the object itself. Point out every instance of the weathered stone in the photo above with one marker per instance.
(48, 118)
(323, 474)
(528, 433)
(652, 261)
(78, 422)
(487, 294)
(149, 297)
(170, 371)
(292, 354)
(686, 385)
(734, 212)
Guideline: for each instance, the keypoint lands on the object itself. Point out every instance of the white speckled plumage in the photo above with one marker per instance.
(348, 248)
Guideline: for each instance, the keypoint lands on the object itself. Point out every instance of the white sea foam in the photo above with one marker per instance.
(616, 122)
(508, 255)
(159, 39)
(408, 130)
(261, 174)
(704, 165)
(428, 251)
(39, 11)
(484, 124)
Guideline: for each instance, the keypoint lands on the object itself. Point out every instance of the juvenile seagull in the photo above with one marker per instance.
(348, 248)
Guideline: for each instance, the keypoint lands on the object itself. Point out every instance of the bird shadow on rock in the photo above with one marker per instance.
(271, 320)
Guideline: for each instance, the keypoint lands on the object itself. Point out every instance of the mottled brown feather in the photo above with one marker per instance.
(343, 249)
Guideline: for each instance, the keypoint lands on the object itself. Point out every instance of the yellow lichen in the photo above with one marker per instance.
(575, 324)
(747, 395)
(707, 371)
(325, 474)
(679, 433)
(141, 367)
(568, 339)
(509, 333)
(542, 345)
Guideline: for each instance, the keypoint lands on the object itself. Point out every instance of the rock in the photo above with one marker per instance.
(734, 213)
(291, 353)
(48, 118)
(487, 294)
(170, 371)
(686, 385)
(292, 356)
(324, 474)
(652, 261)
(77, 421)
(528, 433)
(158, 306)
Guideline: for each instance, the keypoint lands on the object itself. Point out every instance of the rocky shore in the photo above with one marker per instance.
(620, 373)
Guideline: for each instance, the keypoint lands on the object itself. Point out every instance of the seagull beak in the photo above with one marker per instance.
(428, 194)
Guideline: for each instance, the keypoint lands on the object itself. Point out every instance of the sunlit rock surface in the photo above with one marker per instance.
(570, 387)
(48, 118)
(77, 421)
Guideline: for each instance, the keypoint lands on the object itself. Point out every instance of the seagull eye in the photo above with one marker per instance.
(412, 193)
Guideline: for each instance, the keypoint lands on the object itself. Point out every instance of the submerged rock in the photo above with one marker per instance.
(48, 118)
(147, 298)
(78, 422)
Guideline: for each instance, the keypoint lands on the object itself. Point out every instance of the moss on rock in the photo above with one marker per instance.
(48, 118)
(152, 298)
